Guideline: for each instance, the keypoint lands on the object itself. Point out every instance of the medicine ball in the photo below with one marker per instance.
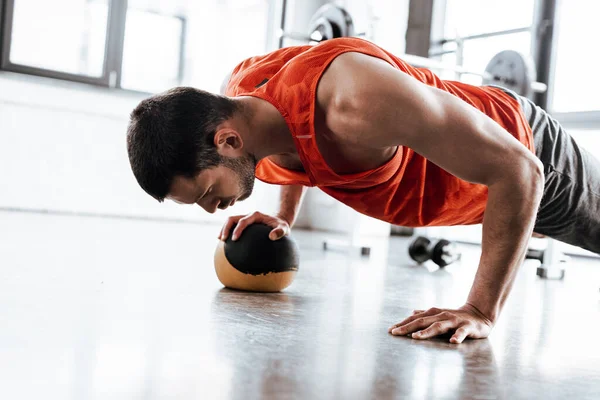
(256, 263)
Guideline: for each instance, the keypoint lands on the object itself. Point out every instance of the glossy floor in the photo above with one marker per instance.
(113, 309)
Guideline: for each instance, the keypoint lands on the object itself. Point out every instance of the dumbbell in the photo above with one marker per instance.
(533, 254)
(442, 253)
(552, 262)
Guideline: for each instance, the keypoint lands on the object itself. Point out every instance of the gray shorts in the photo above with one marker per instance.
(570, 208)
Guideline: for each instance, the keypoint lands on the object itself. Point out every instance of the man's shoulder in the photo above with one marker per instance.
(291, 64)
(253, 72)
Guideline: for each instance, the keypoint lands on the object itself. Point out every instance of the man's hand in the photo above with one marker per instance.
(280, 226)
(466, 322)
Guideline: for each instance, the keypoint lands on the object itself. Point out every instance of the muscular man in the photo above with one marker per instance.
(391, 141)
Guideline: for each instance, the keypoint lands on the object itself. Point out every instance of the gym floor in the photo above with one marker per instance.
(94, 308)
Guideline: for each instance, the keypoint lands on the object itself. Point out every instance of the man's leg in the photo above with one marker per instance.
(570, 208)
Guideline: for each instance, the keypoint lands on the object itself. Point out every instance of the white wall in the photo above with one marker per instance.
(62, 148)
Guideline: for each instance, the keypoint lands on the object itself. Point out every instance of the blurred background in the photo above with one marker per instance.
(72, 70)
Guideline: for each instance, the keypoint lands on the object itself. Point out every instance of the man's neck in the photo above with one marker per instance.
(265, 131)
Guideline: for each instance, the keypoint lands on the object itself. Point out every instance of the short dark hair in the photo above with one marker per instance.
(172, 134)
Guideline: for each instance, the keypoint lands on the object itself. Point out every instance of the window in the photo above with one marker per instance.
(141, 45)
(472, 17)
(472, 32)
(574, 87)
(226, 32)
(104, 42)
(153, 50)
(59, 39)
(76, 48)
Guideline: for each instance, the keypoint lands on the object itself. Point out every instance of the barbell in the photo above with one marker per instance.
(330, 21)
(509, 68)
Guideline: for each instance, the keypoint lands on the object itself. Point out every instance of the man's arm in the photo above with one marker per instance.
(290, 200)
(361, 94)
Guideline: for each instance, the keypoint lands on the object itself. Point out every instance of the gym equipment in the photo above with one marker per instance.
(443, 253)
(256, 263)
(553, 262)
(330, 21)
(514, 71)
(340, 244)
(508, 68)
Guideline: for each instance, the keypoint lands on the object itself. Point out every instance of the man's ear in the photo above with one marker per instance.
(229, 142)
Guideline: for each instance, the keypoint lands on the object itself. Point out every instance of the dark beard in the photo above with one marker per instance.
(244, 168)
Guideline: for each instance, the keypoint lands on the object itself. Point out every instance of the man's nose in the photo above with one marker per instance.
(210, 206)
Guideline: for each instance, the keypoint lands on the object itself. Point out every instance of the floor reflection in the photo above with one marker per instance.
(87, 312)
(328, 339)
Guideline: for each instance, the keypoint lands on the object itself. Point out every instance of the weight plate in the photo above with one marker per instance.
(331, 22)
(512, 70)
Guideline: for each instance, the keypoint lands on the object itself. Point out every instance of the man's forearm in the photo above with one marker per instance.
(291, 198)
(507, 226)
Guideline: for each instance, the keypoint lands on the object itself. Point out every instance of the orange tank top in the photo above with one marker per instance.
(408, 190)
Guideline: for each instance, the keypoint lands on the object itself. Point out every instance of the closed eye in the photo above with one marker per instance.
(204, 194)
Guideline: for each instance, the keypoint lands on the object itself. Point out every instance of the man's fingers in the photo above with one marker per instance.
(279, 229)
(437, 328)
(243, 223)
(460, 335)
(415, 315)
(416, 325)
(460, 323)
(404, 322)
(278, 232)
(227, 227)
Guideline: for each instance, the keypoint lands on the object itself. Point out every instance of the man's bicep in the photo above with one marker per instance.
(386, 107)
(463, 140)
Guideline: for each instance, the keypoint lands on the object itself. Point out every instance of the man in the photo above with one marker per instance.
(391, 141)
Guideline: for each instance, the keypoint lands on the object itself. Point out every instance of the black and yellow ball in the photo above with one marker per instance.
(256, 263)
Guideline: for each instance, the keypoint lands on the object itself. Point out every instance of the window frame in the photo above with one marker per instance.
(113, 48)
(2, 5)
